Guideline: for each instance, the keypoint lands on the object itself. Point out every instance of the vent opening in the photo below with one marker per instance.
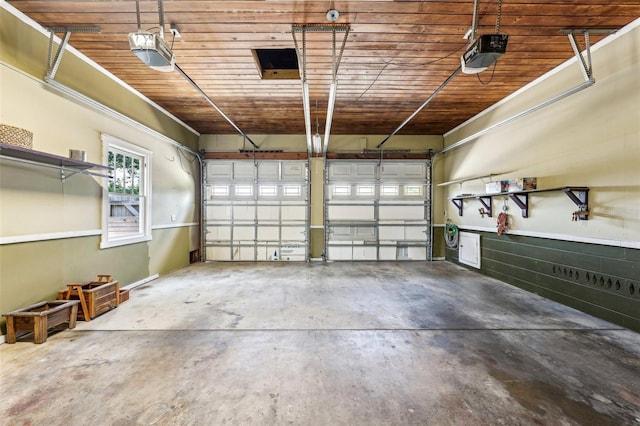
(277, 64)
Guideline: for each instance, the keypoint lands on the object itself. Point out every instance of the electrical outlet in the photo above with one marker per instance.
(173, 218)
(175, 30)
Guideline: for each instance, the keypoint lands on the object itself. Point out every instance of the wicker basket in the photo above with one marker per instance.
(16, 136)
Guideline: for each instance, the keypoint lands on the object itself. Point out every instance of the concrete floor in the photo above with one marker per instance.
(327, 344)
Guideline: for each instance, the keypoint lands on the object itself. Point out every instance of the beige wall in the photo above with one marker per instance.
(49, 229)
(591, 138)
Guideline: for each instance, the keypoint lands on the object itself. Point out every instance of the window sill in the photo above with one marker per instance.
(124, 241)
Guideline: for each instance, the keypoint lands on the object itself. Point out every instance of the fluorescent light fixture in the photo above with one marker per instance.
(151, 49)
(332, 102)
(307, 114)
(317, 142)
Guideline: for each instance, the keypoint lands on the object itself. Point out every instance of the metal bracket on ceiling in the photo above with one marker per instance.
(54, 63)
(586, 66)
(320, 28)
(335, 63)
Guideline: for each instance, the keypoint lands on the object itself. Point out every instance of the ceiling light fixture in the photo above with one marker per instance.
(307, 116)
(330, 107)
(317, 139)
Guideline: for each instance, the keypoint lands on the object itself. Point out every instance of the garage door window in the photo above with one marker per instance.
(244, 190)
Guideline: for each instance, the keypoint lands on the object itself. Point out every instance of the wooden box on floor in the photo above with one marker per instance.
(124, 296)
(96, 297)
(40, 317)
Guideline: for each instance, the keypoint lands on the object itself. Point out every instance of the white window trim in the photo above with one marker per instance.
(108, 142)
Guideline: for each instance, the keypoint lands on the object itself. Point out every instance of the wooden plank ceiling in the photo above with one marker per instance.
(396, 55)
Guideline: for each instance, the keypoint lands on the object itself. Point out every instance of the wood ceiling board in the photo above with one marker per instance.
(396, 55)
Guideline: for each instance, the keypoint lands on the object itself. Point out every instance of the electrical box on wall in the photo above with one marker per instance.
(469, 249)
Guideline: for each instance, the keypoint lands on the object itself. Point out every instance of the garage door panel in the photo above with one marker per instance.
(417, 253)
(294, 213)
(268, 233)
(249, 219)
(244, 233)
(340, 252)
(219, 171)
(218, 213)
(268, 252)
(244, 252)
(218, 233)
(268, 213)
(364, 233)
(244, 212)
(268, 170)
(292, 251)
(218, 253)
(293, 233)
(391, 233)
(293, 171)
(416, 233)
(365, 253)
(377, 210)
(245, 171)
(388, 253)
(353, 213)
(402, 212)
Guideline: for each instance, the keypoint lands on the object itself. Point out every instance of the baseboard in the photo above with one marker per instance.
(141, 282)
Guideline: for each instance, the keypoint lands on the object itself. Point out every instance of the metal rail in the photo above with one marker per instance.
(217, 108)
(424, 104)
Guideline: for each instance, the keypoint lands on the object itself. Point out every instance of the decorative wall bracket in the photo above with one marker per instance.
(578, 194)
(522, 201)
(485, 200)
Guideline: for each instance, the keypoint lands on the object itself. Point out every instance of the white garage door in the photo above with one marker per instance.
(377, 210)
(256, 210)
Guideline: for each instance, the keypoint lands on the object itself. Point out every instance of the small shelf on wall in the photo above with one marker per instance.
(67, 166)
(578, 194)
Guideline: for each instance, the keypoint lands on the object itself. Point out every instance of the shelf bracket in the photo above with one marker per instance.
(486, 202)
(522, 201)
(66, 173)
(580, 197)
(459, 203)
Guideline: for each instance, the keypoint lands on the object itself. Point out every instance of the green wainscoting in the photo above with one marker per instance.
(603, 281)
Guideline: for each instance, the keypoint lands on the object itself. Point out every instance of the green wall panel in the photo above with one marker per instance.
(169, 249)
(600, 280)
